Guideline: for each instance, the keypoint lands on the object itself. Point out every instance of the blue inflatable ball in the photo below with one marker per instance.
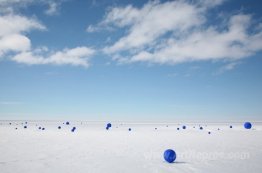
(107, 128)
(59, 127)
(184, 127)
(209, 133)
(170, 155)
(109, 125)
(177, 128)
(67, 123)
(248, 125)
(129, 129)
(230, 127)
(25, 127)
(201, 128)
(43, 128)
(73, 129)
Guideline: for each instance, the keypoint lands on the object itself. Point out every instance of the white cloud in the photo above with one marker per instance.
(78, 56)
(179, 31)
(52, 10)
(12, 33)
(9, 6)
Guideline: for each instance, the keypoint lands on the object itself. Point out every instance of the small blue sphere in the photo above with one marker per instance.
(184, 127)
(39, 128)
(209, 133)
(73, 129)
(248, 125)
(129, 129)
(201, 128)
(170, 155)
(67, 123)
(25, 127)
(43, 128)
(230, 127)
(177, 128)
(59, 127)
(109, 125)
(107, 128)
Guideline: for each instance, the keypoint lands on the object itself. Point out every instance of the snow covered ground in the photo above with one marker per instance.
(91, 148)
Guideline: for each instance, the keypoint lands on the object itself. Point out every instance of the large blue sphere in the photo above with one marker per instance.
(170, 155)
(247, 125)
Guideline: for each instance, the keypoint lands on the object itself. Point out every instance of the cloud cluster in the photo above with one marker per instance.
(14, 40)
(179, 31)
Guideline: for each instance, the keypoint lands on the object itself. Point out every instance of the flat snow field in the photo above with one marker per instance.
(92, 148)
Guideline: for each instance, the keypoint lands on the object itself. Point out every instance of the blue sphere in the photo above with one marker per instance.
(25, 127)
(170, 155)
(73, 129)
(184, 127)
(59, 127)
(107, 128)
(247, 125)
(109, 125)
(177, 128)
(201, 128)
(43, 128)
(39, 128)
(209, 133)
(67, 123)
(129, 129)
(230, 127)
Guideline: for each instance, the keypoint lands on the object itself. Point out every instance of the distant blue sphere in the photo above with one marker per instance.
(230, 127)
(184, 127)
(59, 127)
(73, 129)
(109, 125)
(248, 125)
(201, 128)
(107, 128)
(170, 155)
(25, 127)
(129, 129)
(43, 128)
(39, 128)
(67, 123)
(177, 128)
(209, 133)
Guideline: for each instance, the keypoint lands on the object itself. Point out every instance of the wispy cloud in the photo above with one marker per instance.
(11, 6)
(78, 56)
(179, 31)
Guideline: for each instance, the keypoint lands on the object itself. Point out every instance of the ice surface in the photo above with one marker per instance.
(92, 148)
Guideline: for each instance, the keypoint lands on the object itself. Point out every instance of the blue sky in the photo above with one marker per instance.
(131, 60)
